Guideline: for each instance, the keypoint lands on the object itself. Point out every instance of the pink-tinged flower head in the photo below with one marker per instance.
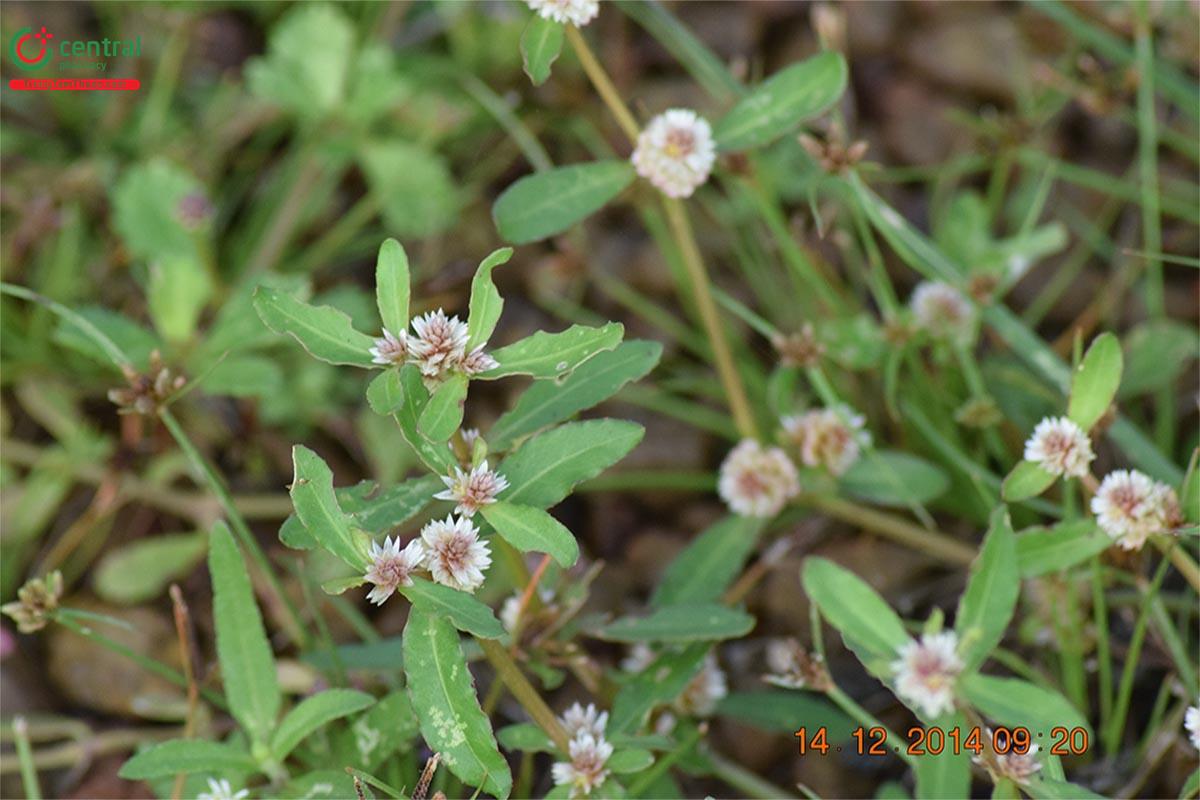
(830, 438)
(1061, 447)
(578, 719)
(943, 311)
(1130, 507)
(1013, 766)
(757, 481)
(1191, 721)
(472, 490)
(390, 349)
(675, 152)
(585, 771)
(477, 361)
(926, 671)
(455, 555)
(440, 343)
(568, 12)
(392, 567)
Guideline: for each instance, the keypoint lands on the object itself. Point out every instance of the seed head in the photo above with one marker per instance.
(1061, 447)
(757, 481)
(454, 554)
(926, 671)
(700, 697)
(147, 391)
(801, 349)
(392, 567)
(36, 601)
(792, 667)
(675, 152)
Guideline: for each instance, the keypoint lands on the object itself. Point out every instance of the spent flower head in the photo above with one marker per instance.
(585, 771)
(392, 567)
(803, 349)
(926, 671)
(148, 390)
(675, 152)
(830, 438)
(472, 489)
(943, 311)
(568, 12)
(1130, 507)
(757, 481)
(792, 667)
(390, 349)
(1060, 447)
(36, 601)
(455, 555)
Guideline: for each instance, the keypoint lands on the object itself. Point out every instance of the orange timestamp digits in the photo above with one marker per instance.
(935, 741)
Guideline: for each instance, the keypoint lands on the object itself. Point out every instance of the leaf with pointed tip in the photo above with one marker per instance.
(707, 566)
(461, 609)
(658, 683)
(313, 713)
(336, 586)
(554, 355)
(1015, 702)
(987, 604)
(946, 775)
(187, 755)
(326, 333)
(546, 467)
(486, 302)
(392, 286)
(527, 528)
(683, 623)
(1026, 480)
(318, 509)
(443, 414)
(1095, 382)
(384, 393)
(547, 203)
(435, 455)
(541, 42)
(1043, 550)
(867, 623)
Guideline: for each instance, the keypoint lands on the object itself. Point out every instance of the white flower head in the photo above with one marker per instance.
(830, 438)
(392, 567)
(1191, 721)
(1061, 447)
(700, 697)
(572, 12)
(1130, 507)
(926, 671)
(757, 481)
(477, 361)
(455, 555)
(472, 490)
(390, 349)
(943, 311)
(675, 152)
(639, 657)
(578, 719)
(510, 612)
(440, 343)
(220, 789)
(1014, 766)
(585, 771)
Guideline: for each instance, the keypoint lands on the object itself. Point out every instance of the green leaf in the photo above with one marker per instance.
(146, 211)
(525, 737)
(706, 567)
(660, 682)
(414, 186)
(1157, 352)
(443, 414)
(867, 623)
(946, 776)
(541, 42)
(336, 586)
(783, 711)
(177, 293)
(392, 286)
(379, 732)
(624, 762)
(888, 477)
(692, 622)
(1048, 789)
(247, 665)
(384, 393)
(545, 403)
(548, 203)
(546, 467)
(141, 570)
(486, 303)
(435, 455)
(1095, 382)
(1044, 550)
(320, 783)
(1192, 786)
(186, 755)
(308, 59)
(987, 604)
(131, 338)
(317, 507)
(1026, 480)
(443, 695)
(385, 655)
(244, 376)
(777, 105)
(461, 609)
(313, 713)
(554, 355)
(323, 331)
(1015, 702)
(532, 529)
(388, 508)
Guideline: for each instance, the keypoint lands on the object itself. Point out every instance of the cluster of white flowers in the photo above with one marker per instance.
(1191, 721)
(757, 481)
(943, 311)
(568, 12)
(675, 152)
(926, 671)
(438, 347)
(831, 437)
(221, 790)
(1130, 507)
(1060, 447)
(472, 489)
(588, 749)
(450, 549)
(1013, 766)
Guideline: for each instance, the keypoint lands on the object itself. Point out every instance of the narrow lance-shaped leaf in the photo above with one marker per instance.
(486, 303)
(1095, 382)
(660, 682)
(548, 203)
(707, 566)
(987, 604)
(314, 712)
(1027, 479)
(461, 609)
(443, 695)
(548, 466)
(435, 455)
(443, 414)
(554, 355)
(392, 286)
(683, 623)
(324, 332)
(1015, 702)
(247, 665)
(945, 775)
(527, 528)
(541, 42)
(867, 623)
(1044, 550)
(187, 755)
(318, 509)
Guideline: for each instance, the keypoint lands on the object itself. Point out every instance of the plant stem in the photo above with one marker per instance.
(933, 543)
(524, 693)
(291, 616)
(663, 764)
(1103, 650)
(745, 781)
(29, 778)
(599, 78)
(1179, 557)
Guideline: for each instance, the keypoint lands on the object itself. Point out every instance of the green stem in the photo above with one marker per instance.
(524, 693)
(745, 781)
(1103, 649)
(933, 543)
(29, 777)
(663, 764)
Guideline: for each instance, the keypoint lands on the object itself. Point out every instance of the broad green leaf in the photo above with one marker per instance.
(386, 509)
(486, 303)
(317, 508)
(987, 604)
(336, 586)
(443, 414)
(782, 711)
(414, 186)
(691, 622)
(1044, 550)
(244, 376)
(385, 655)
(625, 762)
(532, 529)
(177, 293)
(658, 683)
(548, 203)
(525, 737)
(308, 59)
(321, 783)
(777, 105)
(887, 477)
(146, 211)
(186, 755)
(443, 695)
(435, 455)
(380, 731)
(946, 776)
(323, 331)
(541, 42)
(867, 623)
(140, 571)
(706, 567)
(1095, 382)
(392, 286)
(546, 467)
(1157, 352)
(545, 403)
(247, 665)
(312, 713)
(1048, 789)
(1026, 480)
(384, 393)
(461, 609)
(1013, 702)
(554, 355)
